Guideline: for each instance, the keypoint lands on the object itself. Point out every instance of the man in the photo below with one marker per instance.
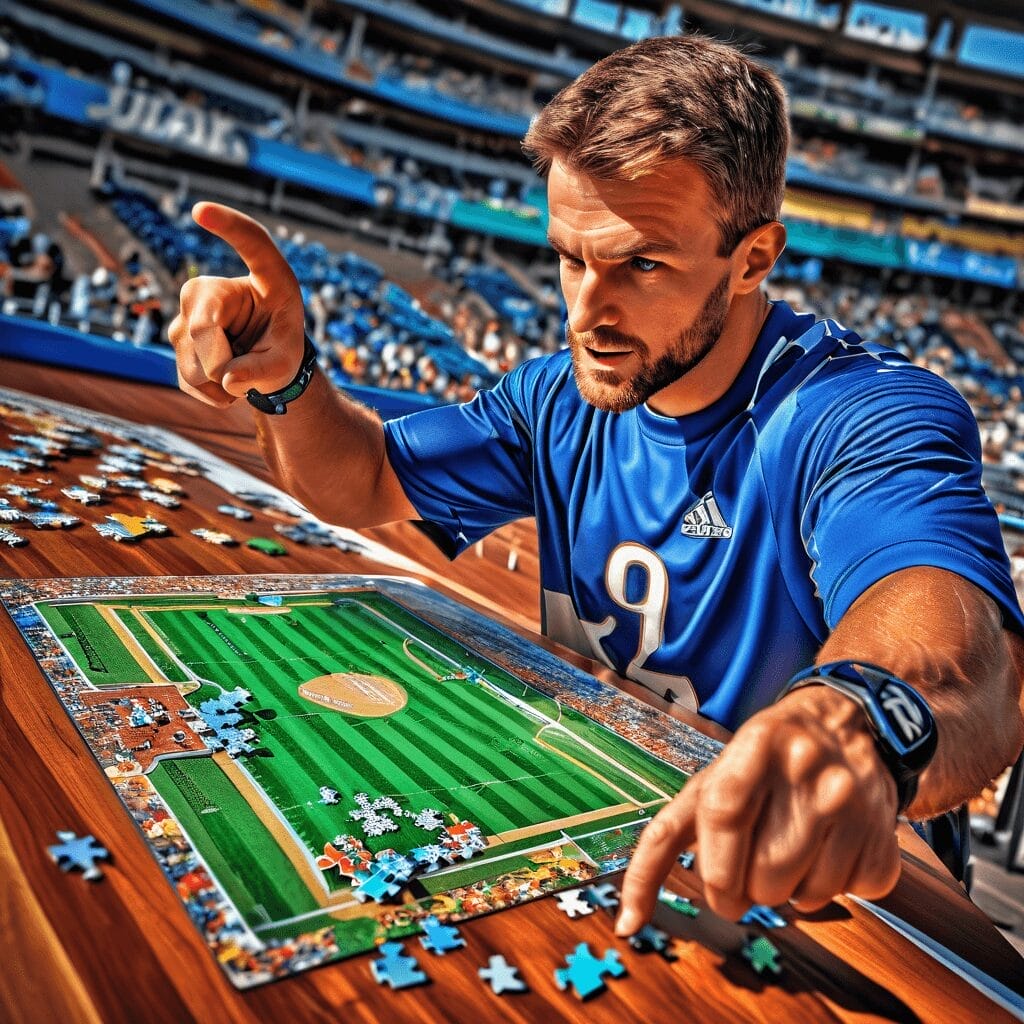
(726, 492)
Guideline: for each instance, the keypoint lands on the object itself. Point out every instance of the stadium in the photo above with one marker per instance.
(380, 144)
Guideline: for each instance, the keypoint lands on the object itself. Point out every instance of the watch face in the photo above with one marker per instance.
(906, 716)
(899, 713)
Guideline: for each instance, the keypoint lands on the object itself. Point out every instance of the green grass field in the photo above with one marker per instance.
(496, 752)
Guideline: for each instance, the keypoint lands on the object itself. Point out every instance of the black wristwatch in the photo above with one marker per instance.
(276, 403)
(899, 718)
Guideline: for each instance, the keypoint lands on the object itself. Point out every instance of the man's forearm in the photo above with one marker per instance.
(328, 452)
(944, 636)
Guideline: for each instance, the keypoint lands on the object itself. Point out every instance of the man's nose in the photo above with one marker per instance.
(593, 305)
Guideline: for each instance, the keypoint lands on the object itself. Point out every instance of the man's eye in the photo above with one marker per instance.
(644, 265)
(572, 261)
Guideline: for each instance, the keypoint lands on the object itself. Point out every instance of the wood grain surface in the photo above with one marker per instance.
(123, 949)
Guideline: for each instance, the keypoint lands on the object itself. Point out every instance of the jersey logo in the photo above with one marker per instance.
(705, 519)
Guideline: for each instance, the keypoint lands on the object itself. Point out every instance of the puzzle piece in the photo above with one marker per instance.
(762, 955)
(764, 916)
(80, 852)
(502, 976)
(377, 884)
(680, 904)
(652, 940)
(428, 818)
(428, 857)
(399, 865)
(440, 938)
(397, 970)
(605, 896)
(586, 972)
(572, 903)
(349, 861)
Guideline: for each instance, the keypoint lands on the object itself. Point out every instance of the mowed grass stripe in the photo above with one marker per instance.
(526, 805)
(480, 709)
(194, 641)
(242, 854)
(363, 633)
(165, 664)
(459, 736)
(206, 652)
(476, 704)
(640, 761)
(271, 651)
(111, 662)
(485, 709)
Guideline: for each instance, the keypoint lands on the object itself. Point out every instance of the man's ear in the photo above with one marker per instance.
(756, 254)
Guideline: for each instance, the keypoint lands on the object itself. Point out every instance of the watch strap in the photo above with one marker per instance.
(276, 403)
(898, 717)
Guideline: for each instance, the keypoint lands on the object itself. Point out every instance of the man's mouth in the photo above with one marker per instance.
(609, 357)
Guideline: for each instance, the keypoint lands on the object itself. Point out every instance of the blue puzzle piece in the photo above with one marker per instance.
(440, 938)
(605, 896)
(586, 973)
(396, 970)
(80, 852)
(502, 975)
(764, 916)
(377, 884)
(651, 940)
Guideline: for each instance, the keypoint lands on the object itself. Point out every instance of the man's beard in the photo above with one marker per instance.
(609, 390)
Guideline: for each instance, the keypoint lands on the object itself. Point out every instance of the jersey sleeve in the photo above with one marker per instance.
(896, 483)
(466, 468)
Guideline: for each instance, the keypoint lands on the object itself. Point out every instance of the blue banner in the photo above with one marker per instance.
(313, 170)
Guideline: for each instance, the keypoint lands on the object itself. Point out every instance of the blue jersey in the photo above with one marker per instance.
(711, 554)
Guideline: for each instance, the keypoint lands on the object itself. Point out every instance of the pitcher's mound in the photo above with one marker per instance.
(355, 694)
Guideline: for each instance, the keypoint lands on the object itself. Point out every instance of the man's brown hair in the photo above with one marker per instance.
(671, 97)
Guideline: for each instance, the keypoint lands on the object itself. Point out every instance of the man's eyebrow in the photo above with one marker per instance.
(642, 248)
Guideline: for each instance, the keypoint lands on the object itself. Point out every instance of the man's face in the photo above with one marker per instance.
(648, 296)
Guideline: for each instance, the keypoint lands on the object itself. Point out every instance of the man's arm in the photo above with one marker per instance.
(800, 805)
(233, 334)
(328, 452)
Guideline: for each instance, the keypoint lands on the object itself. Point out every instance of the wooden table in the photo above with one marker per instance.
(124, 950)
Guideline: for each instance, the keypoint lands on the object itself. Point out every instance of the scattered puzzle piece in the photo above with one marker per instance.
(440, 938)
(680, 904)
(572, 903)
(80, 852)
(764, 916)
(605, 896)
(397, 970)
(502, 976)
(762, 955)
(652, 940)
(586, 972)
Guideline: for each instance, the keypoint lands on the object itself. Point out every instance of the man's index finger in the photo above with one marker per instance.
(246, 236)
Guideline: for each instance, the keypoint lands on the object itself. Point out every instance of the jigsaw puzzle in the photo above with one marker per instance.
(323, 762)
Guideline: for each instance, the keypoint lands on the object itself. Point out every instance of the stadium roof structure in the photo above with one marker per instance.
(1006, 14)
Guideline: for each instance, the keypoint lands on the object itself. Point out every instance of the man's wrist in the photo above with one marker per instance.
(896, 715)
(275, 403)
